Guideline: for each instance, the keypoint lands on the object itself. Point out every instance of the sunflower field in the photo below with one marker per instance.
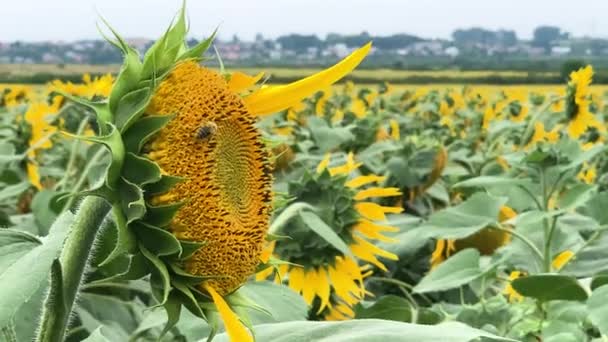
(176, 202)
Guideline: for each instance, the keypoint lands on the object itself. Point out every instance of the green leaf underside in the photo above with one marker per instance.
(458, 270)
(545, 287)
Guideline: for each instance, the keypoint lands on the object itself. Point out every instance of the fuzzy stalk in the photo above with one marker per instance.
(74, 261)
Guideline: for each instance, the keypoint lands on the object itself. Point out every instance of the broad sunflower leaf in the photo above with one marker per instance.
(26, 264)
(598, 310)
(576, 196)
(458, 270)
(545, 287)
(487, 181)
(367, 330)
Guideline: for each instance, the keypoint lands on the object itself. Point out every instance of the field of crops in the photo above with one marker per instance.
(173, 202)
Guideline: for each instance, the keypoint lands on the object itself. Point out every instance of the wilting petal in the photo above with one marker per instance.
(236, 331)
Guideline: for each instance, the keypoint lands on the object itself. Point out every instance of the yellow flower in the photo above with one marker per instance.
(336, 279)
(588, 174)
(540, 135)
(91, 87)
(37, 115)
(226, 193)
(577, 103)
(509, 291)
(488, 116)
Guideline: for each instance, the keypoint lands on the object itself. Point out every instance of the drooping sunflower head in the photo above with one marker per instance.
(212, 143)
(329, 276)
(578, 113)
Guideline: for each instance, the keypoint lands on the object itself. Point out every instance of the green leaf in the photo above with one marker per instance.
(130, 107)
(286, 215)
(158, 241)
(596, 208)
(27, 271)
(599, 279)
(367, 330)
(143, 129)
(129, 74)
(173, 306)
(576, 196)
(584, 157)
(140, 170)
(545, 287)
(317, 225)
(189, 247)
(479, 211)
(458, 270)
(389, 307)
(281, 302)
(98, 335)
(487, 181)
(598, 310)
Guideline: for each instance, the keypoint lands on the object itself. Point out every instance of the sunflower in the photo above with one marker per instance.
(486, 240)
(37, 115)
(330, 281)
(577, 103)
(212, 143)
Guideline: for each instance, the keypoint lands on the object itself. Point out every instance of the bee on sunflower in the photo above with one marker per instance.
(189, 181)
(329, 252)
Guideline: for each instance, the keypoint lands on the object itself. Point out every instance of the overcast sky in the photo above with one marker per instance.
(75, 19)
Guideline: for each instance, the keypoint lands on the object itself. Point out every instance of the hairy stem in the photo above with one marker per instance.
(73, 259)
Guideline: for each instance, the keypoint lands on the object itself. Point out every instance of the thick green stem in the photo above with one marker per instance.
(74, 260)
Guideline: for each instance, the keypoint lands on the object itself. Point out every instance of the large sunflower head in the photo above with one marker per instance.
(325, 266)
(189, 178)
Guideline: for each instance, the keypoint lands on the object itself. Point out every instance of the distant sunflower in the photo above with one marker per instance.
(330, 281)
(213, 144)
(580, 117)
(486, 241)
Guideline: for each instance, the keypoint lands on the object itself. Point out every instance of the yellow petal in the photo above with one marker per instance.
(375, 211)
(273, 99)
(372, 231)
(296, 279)
(34, 175)
(236, 331)
(395, 129)
(309, 288)
(323, 289)
(562, 259)
(323, 164)
(368, 252)
(240, 81)
(377, 192)
(363, 180)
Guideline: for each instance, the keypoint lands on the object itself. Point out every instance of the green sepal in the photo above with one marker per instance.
(126, 242)
(276, 237)
(113, 142)
(162, 215)
(165, 184)
(140, 170)
(157, 240)
(101, 108)
(160, 272)
(130, 71)
(137, 269)
(188, 299)
(173, 308)
(163, 53)
(189, 247)
(143, 129)
(189, 278)
(131, 106)
(131, 201)
(213, 319)
(197, 51)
